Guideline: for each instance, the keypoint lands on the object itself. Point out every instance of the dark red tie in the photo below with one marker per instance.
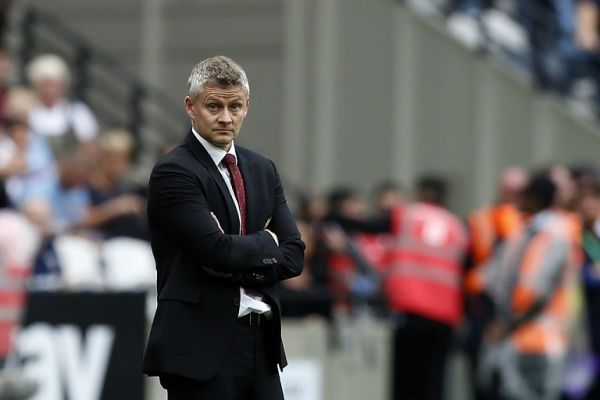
(238, 187)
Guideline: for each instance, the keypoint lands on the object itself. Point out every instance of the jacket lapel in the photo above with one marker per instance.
(204, 158)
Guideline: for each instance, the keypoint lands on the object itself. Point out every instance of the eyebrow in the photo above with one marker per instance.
(219, 98)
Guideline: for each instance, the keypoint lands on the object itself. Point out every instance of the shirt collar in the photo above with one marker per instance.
(216, 153)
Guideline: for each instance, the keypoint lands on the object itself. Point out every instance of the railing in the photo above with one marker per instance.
(117, 96)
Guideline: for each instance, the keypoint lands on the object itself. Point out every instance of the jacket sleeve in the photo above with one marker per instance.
(291, 245)
(177, 205)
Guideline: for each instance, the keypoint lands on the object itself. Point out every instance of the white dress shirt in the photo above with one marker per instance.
(248, 302)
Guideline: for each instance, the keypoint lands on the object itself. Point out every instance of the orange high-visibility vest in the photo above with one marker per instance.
(547, 332)
(488, 227)
(424, 274)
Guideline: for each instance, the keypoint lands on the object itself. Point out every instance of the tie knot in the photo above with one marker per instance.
(229, 159)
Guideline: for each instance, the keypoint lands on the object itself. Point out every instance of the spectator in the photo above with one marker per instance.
(566, 187)
(64, 206)
(351, 278)
(306, 295)
(386, 196)
(344, 202)
(115, 211)
(527, 342)
(4, 78)
(423, 290)
(66, 123)
(37, 171)
(312, 207)
(12, 160)
(586, 177)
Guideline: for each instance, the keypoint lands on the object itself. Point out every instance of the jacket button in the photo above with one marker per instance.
(258, 277)
(236, 302)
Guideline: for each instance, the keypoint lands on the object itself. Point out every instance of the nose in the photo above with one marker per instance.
(225, 116)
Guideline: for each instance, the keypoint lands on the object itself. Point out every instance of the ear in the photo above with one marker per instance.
(247, 107)
(189, 106)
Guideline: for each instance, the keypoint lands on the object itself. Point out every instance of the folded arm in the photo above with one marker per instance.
(291, 246)
(177, 205)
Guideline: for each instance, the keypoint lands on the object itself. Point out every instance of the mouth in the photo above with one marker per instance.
(223, 131)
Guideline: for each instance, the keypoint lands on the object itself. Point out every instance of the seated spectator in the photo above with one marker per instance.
(64, 122)
(12, 160)
(32, 170)
(115, 211)
(63, 207)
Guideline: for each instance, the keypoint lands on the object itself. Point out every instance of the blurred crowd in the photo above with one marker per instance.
(557, 42)
(69, 219)
(515, 286)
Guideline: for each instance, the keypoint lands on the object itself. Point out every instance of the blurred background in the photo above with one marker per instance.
(440, 156)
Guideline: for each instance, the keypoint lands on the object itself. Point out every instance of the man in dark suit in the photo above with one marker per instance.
(223, 237)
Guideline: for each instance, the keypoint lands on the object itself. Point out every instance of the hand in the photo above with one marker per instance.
(275, 238)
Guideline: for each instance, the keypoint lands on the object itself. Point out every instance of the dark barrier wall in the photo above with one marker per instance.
(84, 346)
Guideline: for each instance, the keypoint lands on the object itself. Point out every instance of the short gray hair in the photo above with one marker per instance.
(219, 71)
(48, 66)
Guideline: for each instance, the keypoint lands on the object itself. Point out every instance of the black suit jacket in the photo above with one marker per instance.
(197, 311)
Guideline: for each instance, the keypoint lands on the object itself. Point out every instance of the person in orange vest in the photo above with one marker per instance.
(423, 289)
(493, 224)
(524, 347)
(490, 227)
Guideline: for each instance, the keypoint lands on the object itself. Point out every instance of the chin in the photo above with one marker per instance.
(222, 143)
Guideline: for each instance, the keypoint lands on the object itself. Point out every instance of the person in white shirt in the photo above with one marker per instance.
(65, 122)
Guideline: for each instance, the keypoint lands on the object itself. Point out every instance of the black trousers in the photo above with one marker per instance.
(420, 349)
(247, 372)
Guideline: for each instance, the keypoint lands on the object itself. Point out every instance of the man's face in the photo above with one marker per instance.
(218, 113)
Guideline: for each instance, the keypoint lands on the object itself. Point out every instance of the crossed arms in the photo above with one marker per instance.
(178, 205)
